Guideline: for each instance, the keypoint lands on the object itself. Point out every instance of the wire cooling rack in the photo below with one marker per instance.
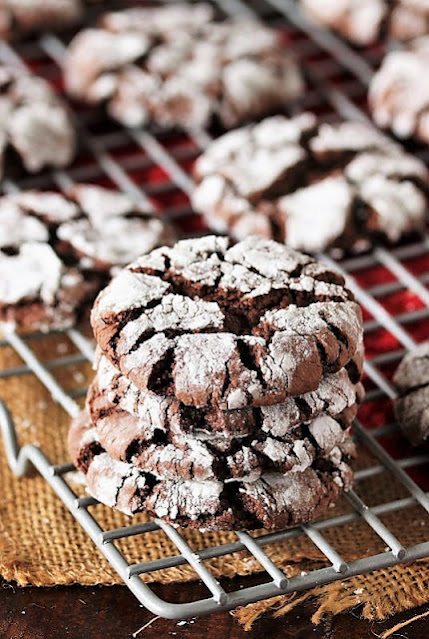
(155, 168)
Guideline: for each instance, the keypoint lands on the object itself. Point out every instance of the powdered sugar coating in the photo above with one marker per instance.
(177, 451)
(37, 290)
(117, 241)
(17, 228)
(294, 497)
(412, 404)
(20, 17)
(364, 21)
(38, 270)
(114, 229)
(409, 19)
(129, 291)
(104, 229)
(333, 217)
(34, 122)
(313, 186)
(177, 65)
(337, 395)
(214, 324)
(358, 20)
(52, 208)
(115, 483)
(399, 95)
(275, 500)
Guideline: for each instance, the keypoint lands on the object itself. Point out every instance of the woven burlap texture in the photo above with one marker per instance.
(41, 544)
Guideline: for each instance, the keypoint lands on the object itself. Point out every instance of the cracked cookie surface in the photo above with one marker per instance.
(399, 93)
(164, 418)
(227, 326)
(35, 123)
(179, 66)
(38, 291)
(365, 21)
(50, 268)
(111, 230)
(261, 442)
(412, 404)
(273, 501)
(313, 186)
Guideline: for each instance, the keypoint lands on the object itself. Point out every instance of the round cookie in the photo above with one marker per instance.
(21, 212)
(227, 326)
(45, 281)
(164, 418)
(38, 291)
(18, 17)
(399, 94)
(359, 21)
(412, 404)
(365, 21)
(35, 122)
(274, 501)
(112, 230)
(314, 186)
(178, 66)
(96, 228)
(409, 19)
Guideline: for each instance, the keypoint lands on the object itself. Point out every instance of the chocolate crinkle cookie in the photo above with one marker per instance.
(19, 18)
(227, 379)
(273, 500)
(57, 251)
(178, 66)
(399, 92)
(38, 291)
(34, 122)
(230, 326)
(311, 185)
(365, 21)
(412, 404)
(110, 229)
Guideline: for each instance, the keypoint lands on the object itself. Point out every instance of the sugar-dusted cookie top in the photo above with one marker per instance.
(34, 122)
(399, 91)
(38, 291)
(179, 66)
(71, 243)
(365, 21)
(314, 186)
(99, 229)
(230, 325)
(111, 229)
(22, 17)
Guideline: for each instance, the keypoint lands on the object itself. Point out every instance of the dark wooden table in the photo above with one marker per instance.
(113, 613)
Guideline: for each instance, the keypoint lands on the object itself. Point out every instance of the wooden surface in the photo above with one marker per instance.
(113, 613)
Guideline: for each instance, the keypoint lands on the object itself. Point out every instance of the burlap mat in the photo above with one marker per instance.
(41, 544)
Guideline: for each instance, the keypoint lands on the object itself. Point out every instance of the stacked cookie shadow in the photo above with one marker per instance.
(227, 380)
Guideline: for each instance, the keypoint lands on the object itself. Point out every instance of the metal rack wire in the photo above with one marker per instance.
(337, 78)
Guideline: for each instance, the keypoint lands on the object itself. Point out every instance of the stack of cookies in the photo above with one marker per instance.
(227, 380)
